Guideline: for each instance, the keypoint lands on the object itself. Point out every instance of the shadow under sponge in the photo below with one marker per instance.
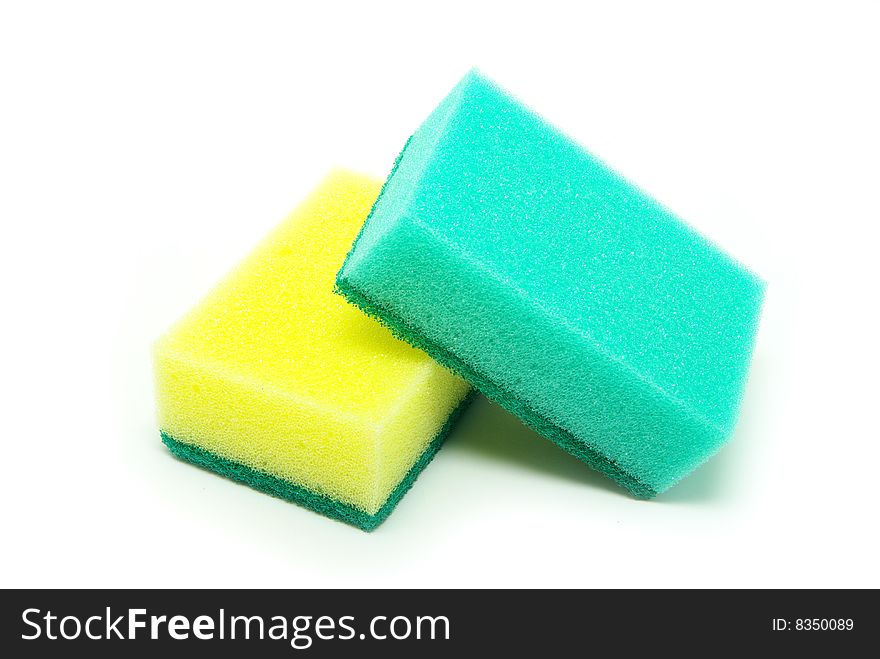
(560, 290)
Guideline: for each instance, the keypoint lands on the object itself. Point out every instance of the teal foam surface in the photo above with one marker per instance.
(559, 289)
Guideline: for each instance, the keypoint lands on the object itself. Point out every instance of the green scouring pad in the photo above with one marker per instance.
(559, 289)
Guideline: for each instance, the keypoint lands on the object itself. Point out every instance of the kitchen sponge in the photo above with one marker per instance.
(274, 381)
(559, 289)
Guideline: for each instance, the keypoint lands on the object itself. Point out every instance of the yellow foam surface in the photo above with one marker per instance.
(275, 371)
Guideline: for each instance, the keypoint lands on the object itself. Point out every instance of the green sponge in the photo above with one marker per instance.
(559, 289)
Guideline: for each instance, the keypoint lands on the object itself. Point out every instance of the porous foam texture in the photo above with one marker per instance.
(276, 382)
(559, 289)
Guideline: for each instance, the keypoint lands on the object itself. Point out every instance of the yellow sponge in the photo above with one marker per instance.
(275, 381)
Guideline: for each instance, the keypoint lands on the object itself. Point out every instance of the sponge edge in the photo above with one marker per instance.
(568, 295)
(274, 381)
(284, 489)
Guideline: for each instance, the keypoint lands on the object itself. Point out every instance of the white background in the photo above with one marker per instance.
(143, 151)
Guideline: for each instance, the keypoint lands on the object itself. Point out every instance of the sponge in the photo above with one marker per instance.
(274, 381)
(559, 289)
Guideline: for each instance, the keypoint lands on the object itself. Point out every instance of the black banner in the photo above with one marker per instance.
(289, 623)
